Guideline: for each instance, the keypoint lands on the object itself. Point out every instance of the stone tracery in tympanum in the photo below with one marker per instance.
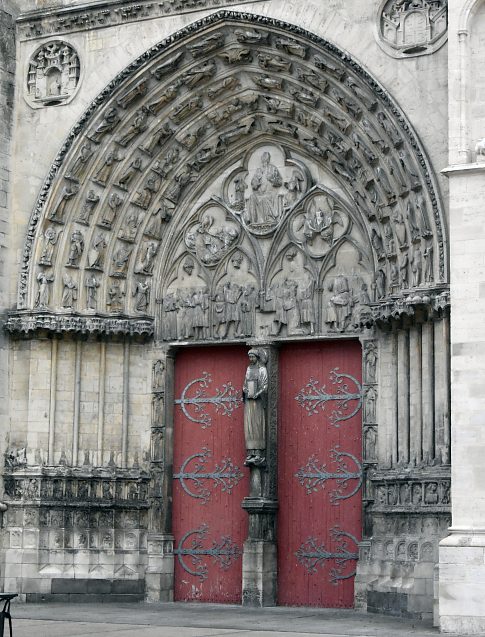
(246, 180)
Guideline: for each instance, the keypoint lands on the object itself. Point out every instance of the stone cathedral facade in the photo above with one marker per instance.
(186, 181)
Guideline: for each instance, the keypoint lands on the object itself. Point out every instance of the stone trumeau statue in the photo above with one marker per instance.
(254, 390)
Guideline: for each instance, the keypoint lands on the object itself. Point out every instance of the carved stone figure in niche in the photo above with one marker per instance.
(79, 165)
(306, 305)
(111, 210)
(159, 216)
(92, 285)
(340, 304)
(96, 252)
(417, 265)
(292, 47)
(104, 173)
(274, 63)
(264, 204)
(179, 113)
(76, 249)
(231, 293)
(251, 36)
(364, 312)
(370, 405)
(211, 242)
(227, 84)
(421, 207)
(404, 271)
(132, 94)
(380, 283)
(370, 441)
(120, 260)
(107, 125)
(158, 138)
(191, 139)
(53, 73)
(295, 188)
(179, 184)
(138, 126)
(198, 74)
(413, 27)
(363, 95)
(200, 317)
(115, 298)
(130, 227)
(370, 361)
(255, 389)
(158, 375)
(142, 295)
(268, 82)
(431, 493)
(170, 159)
(377, 243)
(146, 258)
(428, 263)
(236, 55)
(42, 298)
(144, 198)
(248, 303)
(130, 173)
(170, 308)
(51, 237)
(69, 293)
(320, 221)
(90, 203)
(206, 45)
(67, 193)
(167, 67)
(286, 306)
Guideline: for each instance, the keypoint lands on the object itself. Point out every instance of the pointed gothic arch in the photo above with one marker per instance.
(179, 126)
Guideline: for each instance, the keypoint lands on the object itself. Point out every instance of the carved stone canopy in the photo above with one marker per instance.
(244, 178)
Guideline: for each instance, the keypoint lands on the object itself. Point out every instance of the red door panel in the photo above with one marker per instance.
(319, 473)
(210, 479)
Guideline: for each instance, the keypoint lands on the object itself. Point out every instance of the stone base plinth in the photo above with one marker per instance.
(259, 573)
(159, 574)
(462, 582)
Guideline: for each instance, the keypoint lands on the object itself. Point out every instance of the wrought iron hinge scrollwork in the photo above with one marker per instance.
(314, 397)
(225, 475)
(223, 552)
(224, 400)
(313, 554)
(314, 475)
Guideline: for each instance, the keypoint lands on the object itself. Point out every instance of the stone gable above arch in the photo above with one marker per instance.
(236, 144)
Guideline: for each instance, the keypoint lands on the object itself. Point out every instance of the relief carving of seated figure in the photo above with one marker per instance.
(265, 204)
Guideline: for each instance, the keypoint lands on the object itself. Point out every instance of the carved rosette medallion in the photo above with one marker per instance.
(408, 28)
(53, 74)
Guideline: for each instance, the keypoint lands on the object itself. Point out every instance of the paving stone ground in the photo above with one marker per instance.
(204, 620)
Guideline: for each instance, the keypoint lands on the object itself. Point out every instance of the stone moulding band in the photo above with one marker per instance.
(95, 15)
(32, 323)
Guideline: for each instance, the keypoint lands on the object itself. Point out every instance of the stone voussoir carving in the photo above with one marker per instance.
(259, 199)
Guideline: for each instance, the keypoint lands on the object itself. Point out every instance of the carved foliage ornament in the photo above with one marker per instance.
(301, 111)
(408, 28)
(53, 74)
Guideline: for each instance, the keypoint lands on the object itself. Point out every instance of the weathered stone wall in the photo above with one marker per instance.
(8, 12)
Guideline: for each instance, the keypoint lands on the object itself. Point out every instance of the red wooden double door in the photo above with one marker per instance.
(319, 473)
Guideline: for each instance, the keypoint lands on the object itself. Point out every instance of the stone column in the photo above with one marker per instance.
(160, 570)
(259, 563)
(403, 395)
(462, 553)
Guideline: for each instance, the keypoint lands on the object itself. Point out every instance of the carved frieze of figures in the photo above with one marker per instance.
(53, 74)
(412, 27)
(211, 238)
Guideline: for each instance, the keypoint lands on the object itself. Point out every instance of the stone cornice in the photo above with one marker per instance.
(106, 13)
(32, 323)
